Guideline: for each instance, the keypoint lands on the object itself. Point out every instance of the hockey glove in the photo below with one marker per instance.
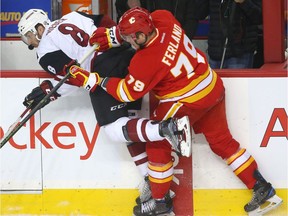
(83, 78)
(38, 93)
(67, 67)
(106, 38)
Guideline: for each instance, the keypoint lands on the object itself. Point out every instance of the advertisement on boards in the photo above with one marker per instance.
(13, 10)
(63, 147)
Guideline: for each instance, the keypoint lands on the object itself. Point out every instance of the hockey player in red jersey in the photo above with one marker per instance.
(167, 63)
(59, 43)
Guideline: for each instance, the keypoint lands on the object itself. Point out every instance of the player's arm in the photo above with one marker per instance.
(126, 90)
(38, 93)
(56, 63)
(83, 78)
(51, 63)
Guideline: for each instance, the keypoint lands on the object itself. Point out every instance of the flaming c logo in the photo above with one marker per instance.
(132, 20)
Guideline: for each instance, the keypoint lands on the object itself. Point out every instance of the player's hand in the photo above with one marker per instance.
(38, 93)
(67, 67)
(105, 38)
(83, 78)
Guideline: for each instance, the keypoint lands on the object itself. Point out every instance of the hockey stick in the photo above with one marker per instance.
(15, 124)
(19, 123)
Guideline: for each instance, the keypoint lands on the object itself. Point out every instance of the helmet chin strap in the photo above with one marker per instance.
(142, 45)
(31, 47)
(37, 37)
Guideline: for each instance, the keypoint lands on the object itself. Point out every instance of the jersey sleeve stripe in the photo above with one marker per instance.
(120, 92)
(123, 92)
(126, 90)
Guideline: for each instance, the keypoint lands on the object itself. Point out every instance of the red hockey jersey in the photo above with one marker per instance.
(170, 65)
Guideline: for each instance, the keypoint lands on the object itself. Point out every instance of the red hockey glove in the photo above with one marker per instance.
(67, 67)
(106, 38)
(38, 93)
(83, 78)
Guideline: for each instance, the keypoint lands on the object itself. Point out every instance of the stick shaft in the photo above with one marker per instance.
(42, 102)
(14, 125)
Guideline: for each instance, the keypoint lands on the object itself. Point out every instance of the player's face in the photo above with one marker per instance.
(132, 41)
(30, 39)
(137, 40)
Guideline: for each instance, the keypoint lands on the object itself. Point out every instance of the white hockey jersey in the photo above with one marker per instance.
(64, 40)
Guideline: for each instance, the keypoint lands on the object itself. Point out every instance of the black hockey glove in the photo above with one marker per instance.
(38, 93)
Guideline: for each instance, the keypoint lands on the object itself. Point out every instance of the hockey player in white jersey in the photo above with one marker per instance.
(59, 43)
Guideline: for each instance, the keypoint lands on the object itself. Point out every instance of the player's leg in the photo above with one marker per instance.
(160, 170)
(175, 130)
(264, 197)
(114, 62)
(215, 128)
(106, 114)
(150, 131)
(112, 121)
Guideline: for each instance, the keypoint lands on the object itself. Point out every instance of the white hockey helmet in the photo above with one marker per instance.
(30, 19)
